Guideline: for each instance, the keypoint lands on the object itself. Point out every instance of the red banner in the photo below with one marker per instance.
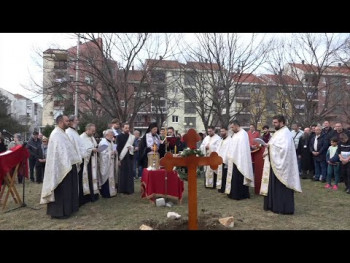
(18, 154)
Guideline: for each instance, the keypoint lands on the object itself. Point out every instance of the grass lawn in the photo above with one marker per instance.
(315, 209)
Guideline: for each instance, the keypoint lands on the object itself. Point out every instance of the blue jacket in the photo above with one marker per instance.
(322, 147)
(334, 159)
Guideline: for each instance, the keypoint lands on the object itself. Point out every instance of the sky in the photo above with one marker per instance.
(19, 60)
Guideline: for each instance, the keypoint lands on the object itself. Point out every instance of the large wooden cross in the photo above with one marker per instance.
(191, 162)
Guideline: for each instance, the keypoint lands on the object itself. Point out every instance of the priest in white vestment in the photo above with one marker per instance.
(209, 145)
(106, 165)
(79, 146)
(74, 136)
(60, 185)
(280, 175)
(240, 168)
(224, 145)
(89, 165)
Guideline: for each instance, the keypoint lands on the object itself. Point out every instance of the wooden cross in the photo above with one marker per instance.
(191, 162)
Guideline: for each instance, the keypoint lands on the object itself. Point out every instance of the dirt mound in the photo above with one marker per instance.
(206, 221)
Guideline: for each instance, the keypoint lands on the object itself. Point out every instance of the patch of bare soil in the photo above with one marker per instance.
(206, 221)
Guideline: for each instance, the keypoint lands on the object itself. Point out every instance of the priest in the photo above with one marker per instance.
(223, 147)
(107, 163)
(89, 166)
(240, 168)
(80, 148)
(147, 143)
(281, 174)
(125, 150)
(209, 145)
(74, 136)
(60, 186)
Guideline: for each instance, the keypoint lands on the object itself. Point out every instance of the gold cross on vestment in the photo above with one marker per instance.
(191, 162)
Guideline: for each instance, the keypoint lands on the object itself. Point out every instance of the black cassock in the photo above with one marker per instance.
(307, 162)
(279, 199)
(126, 177)
(66, 196)
(223, 179)
(83, 199)
(238, 189)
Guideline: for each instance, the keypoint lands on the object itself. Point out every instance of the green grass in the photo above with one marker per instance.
(315, 209)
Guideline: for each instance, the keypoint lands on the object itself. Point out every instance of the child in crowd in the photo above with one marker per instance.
(333, 161)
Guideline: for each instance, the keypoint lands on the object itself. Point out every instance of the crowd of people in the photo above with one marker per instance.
(79, 169)
(76, 168)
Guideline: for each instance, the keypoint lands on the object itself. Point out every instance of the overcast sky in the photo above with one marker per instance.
(18, 60)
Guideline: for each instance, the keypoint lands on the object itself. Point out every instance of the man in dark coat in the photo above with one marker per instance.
(305, 156)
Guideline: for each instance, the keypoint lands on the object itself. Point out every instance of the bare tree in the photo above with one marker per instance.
(114, 81)
(221, 64)
(312, 93)
(343, 55)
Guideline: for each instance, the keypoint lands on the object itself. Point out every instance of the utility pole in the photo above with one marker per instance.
(77, 78)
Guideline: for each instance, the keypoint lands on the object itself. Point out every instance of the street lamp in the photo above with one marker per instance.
(76, 79)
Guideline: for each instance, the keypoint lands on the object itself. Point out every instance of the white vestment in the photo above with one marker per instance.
(240, 155)
(129, 143)
(89, 144)
(283, 160)
(222, 149)
(78, 143)
(107, 164)
(61, 155)
(213, 143)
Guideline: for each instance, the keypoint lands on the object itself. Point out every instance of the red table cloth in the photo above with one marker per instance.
(160, 183)
(19, 154)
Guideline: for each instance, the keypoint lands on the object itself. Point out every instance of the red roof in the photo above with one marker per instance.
(135, 75)
(169, 64)
(304, 67)
(280, 79)
(202, 66)
(20, 97)
(246, 78)
(339, 70)
(84, 47)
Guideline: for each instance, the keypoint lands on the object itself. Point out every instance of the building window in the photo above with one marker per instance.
(175, 90)
(60, 64)
(88, 80)
(190, 122)
(190, 78)
(324, 93)
(71, 78)
(158, 76)
(174, 104)
(175, 119)
(190, 94)
(122, 103)
(190, 108)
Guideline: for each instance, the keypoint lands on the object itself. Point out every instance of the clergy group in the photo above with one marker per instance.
(80, 169)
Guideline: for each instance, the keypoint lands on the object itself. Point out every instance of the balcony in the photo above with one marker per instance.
(243, 96)
(141, 124)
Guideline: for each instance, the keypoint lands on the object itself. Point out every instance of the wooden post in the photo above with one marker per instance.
(191, 162)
